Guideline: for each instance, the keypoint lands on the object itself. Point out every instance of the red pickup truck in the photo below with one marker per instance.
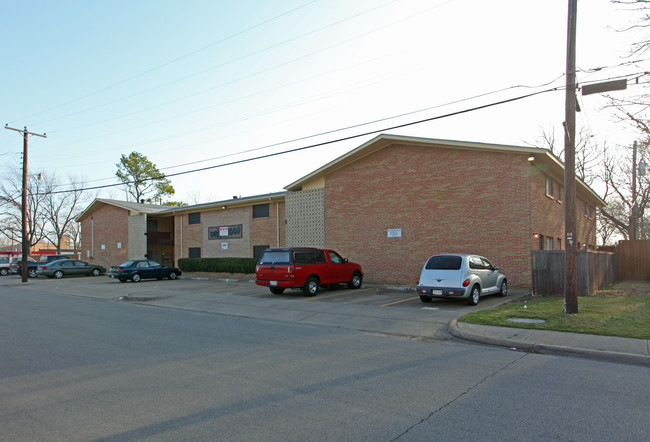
(305, 268)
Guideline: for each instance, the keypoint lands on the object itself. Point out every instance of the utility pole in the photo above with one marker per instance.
(634, 227)
(570, 222)
(25, 241)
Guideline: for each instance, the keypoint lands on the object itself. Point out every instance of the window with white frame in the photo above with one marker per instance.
(549, 186)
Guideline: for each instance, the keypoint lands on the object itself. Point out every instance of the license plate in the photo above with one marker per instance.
(436, 292)
(274, 282)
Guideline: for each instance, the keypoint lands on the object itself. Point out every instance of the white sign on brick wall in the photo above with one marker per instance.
(394, 233)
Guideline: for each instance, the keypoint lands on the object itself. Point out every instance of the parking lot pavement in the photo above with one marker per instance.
(372, 308)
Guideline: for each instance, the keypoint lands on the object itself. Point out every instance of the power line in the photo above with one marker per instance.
(311, 146)
(361, 125)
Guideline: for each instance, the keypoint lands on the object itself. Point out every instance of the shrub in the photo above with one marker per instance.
(218, 265)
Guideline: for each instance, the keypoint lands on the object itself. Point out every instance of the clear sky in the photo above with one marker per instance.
(192, 84)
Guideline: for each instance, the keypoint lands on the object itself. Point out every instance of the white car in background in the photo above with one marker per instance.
(461, 276)
(4, 265)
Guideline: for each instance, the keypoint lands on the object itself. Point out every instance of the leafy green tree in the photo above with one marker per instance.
(141, 177)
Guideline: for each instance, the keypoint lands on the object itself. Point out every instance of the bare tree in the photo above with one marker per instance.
(74, 232)
(61, 207)
(627, 192)
(587, 153)
(642, 9)
(11, 207)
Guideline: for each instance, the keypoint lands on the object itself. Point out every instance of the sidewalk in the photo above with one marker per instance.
(628, 350)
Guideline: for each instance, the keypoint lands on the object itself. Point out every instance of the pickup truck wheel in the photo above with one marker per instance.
(356, 280)
(311, 286)
(32, 273)
(276, 290)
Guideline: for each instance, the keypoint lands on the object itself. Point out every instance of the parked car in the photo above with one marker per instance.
(4, 265)
(139, 269)
(16, 263)
(305, 268)
(32, 264)
(69, 267)
(460, 276)
(50, 258)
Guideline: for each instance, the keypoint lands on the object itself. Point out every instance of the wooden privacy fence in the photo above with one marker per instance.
(595, 270)
(634, 259)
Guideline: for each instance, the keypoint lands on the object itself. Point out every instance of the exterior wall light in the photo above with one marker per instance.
(531, 158)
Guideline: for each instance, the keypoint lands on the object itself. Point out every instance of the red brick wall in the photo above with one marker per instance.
(443, 200)
(264, 231)
(108, 226)
(548, 214)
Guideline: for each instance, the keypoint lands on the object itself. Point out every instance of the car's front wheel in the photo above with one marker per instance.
(311, 286)
(4, 272)
(474, 295)
(356, 280)
(173, 275)
(136, 277)
(95, 272)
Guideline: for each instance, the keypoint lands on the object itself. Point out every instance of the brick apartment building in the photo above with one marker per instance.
(389, 204)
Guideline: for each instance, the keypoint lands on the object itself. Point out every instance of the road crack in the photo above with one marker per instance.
(433, 413)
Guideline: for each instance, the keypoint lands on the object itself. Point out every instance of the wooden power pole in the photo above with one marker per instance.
(25, 240)
(570, 222)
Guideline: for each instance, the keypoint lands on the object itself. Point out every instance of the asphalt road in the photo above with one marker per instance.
(77, 363)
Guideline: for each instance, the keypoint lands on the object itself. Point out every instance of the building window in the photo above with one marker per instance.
(194, 218)
(261, 210)
(195, 252)
(549, 243)
(549, 186)
(258, 251)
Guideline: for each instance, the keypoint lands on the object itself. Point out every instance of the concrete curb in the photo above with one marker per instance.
(529, 347)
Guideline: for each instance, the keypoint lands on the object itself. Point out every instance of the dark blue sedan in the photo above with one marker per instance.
(137, 270)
